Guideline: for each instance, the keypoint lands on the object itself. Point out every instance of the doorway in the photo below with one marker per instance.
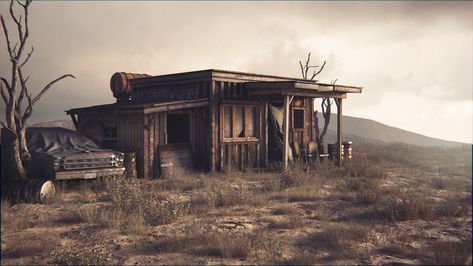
(177, 128)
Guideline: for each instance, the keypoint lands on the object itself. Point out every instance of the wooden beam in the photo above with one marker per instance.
(339, 131)
(266, 134)
(213, 126)
(296, 92)
(286, 132)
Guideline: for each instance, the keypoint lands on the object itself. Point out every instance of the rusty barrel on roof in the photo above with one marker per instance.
(120, 83)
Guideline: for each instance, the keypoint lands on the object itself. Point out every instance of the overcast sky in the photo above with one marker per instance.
(414, 59)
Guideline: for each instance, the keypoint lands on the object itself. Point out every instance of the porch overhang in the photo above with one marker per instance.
(120, 108)
(301, 88)
(163, 107)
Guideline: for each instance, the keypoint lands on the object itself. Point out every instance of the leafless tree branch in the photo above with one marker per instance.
(15, 90)
(7, 37)
(27, 57)
(46, 88)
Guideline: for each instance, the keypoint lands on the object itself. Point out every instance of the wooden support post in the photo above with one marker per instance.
(266, 133)
(213, 127)
(286, 131)
(339, 131)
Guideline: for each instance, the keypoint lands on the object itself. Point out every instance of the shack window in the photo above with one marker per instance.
(298, 118)
(227, 117)
(239, 121)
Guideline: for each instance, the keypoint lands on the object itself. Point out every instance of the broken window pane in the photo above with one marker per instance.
(227, 121)
(251, 123)
(239, 122)
(298, 121)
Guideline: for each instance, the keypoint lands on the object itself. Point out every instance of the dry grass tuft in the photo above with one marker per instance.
(339, 237)
(76, 254)
(26, 247)
(302, 258)
(287, 210)
(133, 207)
(288, 222)
(225, 244)
(451, 252)
(10, 221)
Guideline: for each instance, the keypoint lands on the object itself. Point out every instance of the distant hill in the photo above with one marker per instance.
(355, 129)
(65, 123)
(367, 130)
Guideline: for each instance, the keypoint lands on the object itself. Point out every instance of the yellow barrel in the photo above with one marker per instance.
(129, 163)
(347, 150)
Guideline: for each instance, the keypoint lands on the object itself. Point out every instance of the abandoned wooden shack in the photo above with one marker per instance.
(211, 120)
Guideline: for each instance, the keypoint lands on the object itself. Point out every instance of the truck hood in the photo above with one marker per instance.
(60, 142)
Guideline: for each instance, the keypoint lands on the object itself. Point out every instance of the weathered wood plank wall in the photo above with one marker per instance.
(130, 137)
(237, 154)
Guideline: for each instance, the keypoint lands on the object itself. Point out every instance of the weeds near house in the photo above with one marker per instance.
(302, 216)
(132, 207)
(76, 254)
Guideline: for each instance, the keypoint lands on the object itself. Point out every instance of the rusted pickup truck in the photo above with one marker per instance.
(60, 154)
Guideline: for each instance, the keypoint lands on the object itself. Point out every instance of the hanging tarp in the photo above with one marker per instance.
(277, 120)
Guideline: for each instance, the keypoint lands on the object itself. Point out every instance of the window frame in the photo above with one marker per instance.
(303, 109)
(247, 106)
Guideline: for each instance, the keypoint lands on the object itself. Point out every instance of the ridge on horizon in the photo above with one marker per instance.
(357, 129)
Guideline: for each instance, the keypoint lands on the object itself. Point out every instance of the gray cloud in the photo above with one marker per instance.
(420, 49)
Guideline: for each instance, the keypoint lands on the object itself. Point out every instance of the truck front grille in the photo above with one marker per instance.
(77, 164)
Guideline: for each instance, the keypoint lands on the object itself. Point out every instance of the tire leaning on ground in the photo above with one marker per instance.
(31, 190)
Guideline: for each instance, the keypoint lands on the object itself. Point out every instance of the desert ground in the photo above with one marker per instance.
(390, 204)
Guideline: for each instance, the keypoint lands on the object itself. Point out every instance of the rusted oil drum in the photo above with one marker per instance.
(333, 151)
(347, 149)
(120, 83)
(129, 162)
(32, 190)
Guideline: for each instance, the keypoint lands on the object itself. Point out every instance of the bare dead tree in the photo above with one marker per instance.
(15, 92)
(306, 67)
(326, 102)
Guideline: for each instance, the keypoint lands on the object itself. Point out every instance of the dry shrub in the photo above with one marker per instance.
(215, 243)
(360, 190)
(19, 247)
(404, 251)
(10, 221)
(287, 210)
(409, 206)
(185, 182)
(451, 252)
(261, 244)
(439, 183)
(77, 254)
(338, 237)
(201, 203)
(456, 207)
(360, 166)
(132, 207)
(296, 194)
(226, 195)
(302, 258)
(288, 222)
